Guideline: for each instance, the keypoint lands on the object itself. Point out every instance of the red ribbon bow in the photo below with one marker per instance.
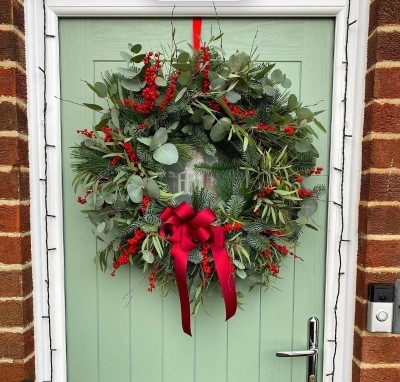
(181, 225)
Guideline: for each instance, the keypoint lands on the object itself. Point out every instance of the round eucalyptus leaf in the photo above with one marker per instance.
(241, 273)
(125, 56)
(286, 84)
(292, 102)
(101, 89)
(135, 193)
(138, 58)
(166, 154)
(309, 207)
(159, 138)
(128, 73)
(183, 57)
(151, 188)
(135, 180)
(160, 81)
(232, 96)
(303, 146)
(277, 76)
(184, 78)
(208, 121)
(220, 129)
(100, 227)
(269, 90)
(237, 61)
(131, 84)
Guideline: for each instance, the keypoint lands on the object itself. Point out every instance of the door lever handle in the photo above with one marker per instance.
(297, 353)
(311, 352)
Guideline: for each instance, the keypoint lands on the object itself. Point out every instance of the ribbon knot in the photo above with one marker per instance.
(184, 228)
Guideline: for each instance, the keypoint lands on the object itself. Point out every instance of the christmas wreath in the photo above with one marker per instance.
(228, 126)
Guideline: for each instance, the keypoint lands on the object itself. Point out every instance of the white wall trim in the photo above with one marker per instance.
(161, 8)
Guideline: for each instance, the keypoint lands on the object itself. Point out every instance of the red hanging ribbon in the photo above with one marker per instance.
(196, 33)
(181, 225)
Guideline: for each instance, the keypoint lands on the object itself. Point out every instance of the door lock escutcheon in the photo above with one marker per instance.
(311, 352)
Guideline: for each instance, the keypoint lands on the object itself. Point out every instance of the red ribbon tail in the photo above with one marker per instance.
(226, 280)
(197, 32)
(180, 264)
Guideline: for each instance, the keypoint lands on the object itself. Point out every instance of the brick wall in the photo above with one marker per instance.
(17, 361)
(377, 356)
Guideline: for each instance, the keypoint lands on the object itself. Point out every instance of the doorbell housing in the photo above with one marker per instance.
(380, 308)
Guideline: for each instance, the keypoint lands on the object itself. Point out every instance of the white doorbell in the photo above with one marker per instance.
(380, 308)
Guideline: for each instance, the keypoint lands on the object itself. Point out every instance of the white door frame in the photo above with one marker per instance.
(162, 8)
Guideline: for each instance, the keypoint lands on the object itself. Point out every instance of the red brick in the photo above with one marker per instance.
(14, 152)
(382, 153)
(12, 117)
(12, 47)
(14, 184)
(379, 220)
(14, 218)
(6, 12)
(16, 283)
(361, 315)
(385, 12)
(382, 83)
(380, 187)
(377, 348)
(16, 345)
(13, 83)
(383, 46)
(378, 253)
(15, 250)
(373, 16)
(16, 313)
(375, 375)
(18, 370)
(365, 278)
(18, 16)
(383, 118)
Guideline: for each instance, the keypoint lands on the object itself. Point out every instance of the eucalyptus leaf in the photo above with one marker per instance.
(126, 56)
(151, 188)
(160, 81)
(135, 193)
(292, 102)
(303, 146)
(208, 121)
(131, 84)
(100, 227)
(166, 154)
(220, 130)
(308, 208)
(128, 73)
(114, 117)
(286, 84)
(180, 94)
(237, 61)
(184, 78)
(101, 89)
(269, 90)
(159, 138)
(183, 57)
(232, 96)
(145, 140)
(148, 256)
(182, 67)
(138, 58)
(241, 273)
(277, 76)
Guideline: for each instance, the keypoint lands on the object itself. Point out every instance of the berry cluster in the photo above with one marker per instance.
(81, 200)
(237, 111)
(304, 193)
(274, 268)
(232, 227)
(316, 171)
(169, 95)
(203, 65)
(265, 192)
(149, 92)
(264, 126)
(131, 154)
(142, 126)
(86, 132)
(132, 247)
(107, 134)
(298, 178)
(280, 248)
(266, 253)
(145, 203)
(152, 279)
(114, 160)
(290, 130)
(274, 233)
(204, 263)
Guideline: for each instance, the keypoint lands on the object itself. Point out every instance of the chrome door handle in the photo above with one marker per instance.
(298, 353)
(311, 353)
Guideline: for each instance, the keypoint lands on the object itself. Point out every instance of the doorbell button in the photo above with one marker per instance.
(382, 315)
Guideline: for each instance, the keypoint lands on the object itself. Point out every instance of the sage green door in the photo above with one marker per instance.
(116, 330)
